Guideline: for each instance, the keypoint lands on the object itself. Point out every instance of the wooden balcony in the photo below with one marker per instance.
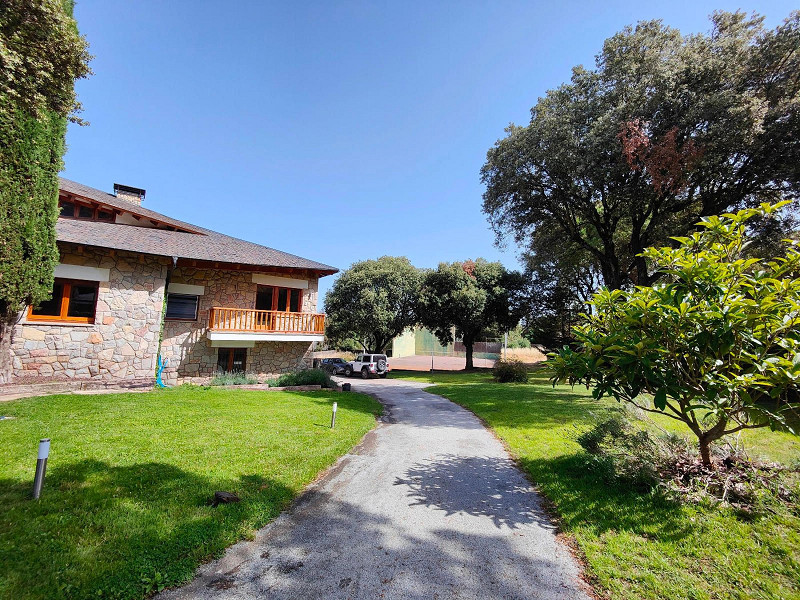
(245, 320)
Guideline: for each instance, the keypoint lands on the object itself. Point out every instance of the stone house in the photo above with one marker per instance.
(133, 283)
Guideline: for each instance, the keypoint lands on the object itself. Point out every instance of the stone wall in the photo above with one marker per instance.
(122, 343)
(272, 358)
(191, 356)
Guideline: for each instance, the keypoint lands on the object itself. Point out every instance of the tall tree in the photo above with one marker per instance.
(560, 278)
(665, 130)
(373, 302)
(41, 56)
(472, 298)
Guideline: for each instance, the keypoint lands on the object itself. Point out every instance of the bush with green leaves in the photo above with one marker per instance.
(517, 339)
(716, 342)
(622, 453)
(305, 377)
(510, 371)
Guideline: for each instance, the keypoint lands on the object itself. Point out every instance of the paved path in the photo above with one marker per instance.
(428, 506)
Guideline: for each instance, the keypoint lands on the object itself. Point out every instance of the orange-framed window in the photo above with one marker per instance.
(73, 301)
(279, 298)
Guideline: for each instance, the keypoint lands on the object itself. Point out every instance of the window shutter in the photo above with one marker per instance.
(181, 307)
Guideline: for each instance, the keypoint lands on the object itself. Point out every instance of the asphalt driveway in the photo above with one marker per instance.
(428, 506)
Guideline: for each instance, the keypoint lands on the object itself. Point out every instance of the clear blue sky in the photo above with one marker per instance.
(339, 131)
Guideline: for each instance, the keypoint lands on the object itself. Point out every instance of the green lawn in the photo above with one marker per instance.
(124, 510)
(636, 546)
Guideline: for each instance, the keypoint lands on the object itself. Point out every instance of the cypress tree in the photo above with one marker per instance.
(41, 55)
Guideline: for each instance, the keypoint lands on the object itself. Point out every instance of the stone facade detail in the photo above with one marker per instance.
(123, 342)
(191, 356)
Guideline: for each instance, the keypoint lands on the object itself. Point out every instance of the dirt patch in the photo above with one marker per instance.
(440, 363)
(221, 583)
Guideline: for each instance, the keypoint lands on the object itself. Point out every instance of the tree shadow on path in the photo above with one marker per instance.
(480, 486)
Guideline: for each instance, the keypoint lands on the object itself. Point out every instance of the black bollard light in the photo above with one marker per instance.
(41, 467)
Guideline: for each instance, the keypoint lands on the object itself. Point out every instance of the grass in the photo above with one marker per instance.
(123, 512)
(636, 546)
(441, 377)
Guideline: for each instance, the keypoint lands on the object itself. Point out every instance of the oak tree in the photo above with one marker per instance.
(666, 129)
(470, 298)
(373, 302)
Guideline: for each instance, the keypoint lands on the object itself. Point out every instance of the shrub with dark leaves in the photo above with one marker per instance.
(510, 371)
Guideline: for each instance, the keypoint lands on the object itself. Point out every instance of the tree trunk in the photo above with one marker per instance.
(609, 269)
(705, 452)
(468, 344)
(6, 331)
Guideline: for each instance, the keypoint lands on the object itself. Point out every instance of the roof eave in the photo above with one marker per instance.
(219, 265)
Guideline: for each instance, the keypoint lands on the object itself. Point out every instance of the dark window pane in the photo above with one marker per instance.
(52, 307)
(82, 300)
(85, 212)
(223, 356)
(104, 216)
(294, 304)
(182, 306)
(264, 298)
(67, 209)
(239, 359)
(232, 359)
(282, 297)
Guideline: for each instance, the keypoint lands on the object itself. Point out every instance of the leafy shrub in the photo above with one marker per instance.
(622, 453)
(516, 339)
(305, 377)
(594, 440)
(510, 370)
(715, 342)
(235, 378)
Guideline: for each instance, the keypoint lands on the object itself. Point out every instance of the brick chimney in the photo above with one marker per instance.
(129, 194)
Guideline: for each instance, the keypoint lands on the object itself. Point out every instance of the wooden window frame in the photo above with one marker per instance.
(289, 290)
(96, 210)
(65, 296)
(196, 308)
(231, 352)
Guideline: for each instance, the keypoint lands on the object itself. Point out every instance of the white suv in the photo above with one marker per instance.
(367, 365)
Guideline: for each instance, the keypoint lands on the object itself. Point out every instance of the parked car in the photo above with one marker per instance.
(334, 366)
(368, 365)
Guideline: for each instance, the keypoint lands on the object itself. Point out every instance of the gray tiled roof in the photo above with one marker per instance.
(204, 245)
(78, 189)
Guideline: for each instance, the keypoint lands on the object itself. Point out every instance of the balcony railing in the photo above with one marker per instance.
(265, 321)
